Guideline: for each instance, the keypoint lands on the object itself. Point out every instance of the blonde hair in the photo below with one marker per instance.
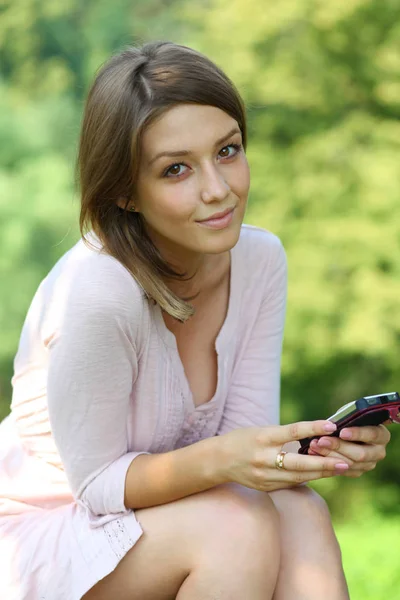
(130, 91)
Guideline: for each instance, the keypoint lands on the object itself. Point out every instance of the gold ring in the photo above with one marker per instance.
(279, 460)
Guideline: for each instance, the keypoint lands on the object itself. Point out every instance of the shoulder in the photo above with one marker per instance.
(88, 283)
(91, 269)
(261, 250)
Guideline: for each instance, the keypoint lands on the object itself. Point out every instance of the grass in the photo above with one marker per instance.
(371, 555)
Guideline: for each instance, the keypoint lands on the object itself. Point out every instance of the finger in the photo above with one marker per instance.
(331, 454)
(299, 462)
(311, 452)
(299, 477)
(349, 450)
(353, 465)
(364, 468)
(297, 431)
(374, 434)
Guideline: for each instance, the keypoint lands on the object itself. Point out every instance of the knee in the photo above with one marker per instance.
(312, 506)
(314, 509)
(250, 516)
(303, 505)
(301, 498)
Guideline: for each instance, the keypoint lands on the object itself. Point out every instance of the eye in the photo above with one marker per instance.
(236, 147)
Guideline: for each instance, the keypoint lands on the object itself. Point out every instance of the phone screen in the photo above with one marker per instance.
(362, 404)
(343, 411)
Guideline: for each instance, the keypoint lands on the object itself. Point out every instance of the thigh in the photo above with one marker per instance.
(222, 523)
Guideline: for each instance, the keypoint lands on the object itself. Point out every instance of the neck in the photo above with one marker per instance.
(202, 271)
(206, 275)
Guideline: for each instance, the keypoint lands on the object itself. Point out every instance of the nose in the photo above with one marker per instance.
(214, 185)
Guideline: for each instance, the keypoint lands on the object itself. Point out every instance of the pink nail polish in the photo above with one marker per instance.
(330, 427)
(341, 466)
(324, 443)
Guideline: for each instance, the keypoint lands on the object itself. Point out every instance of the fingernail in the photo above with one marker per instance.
(346, 434)
(341, 466)
(330, 427)
(324, 443)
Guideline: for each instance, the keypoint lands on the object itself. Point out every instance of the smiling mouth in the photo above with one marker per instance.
(219, 222)
(217, 216)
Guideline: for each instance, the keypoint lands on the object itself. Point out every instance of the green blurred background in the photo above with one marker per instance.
(321, 81)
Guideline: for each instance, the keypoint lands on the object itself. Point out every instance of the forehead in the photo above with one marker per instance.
(186, 127)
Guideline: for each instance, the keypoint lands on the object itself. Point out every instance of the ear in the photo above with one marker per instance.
(123, 203)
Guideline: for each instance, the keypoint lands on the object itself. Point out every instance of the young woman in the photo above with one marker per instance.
(142, 459)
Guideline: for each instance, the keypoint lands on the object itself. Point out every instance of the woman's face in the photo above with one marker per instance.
(175, 193)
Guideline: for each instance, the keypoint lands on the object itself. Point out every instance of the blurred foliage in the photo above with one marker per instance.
(322, 84)
(321, 81)
(370, 554)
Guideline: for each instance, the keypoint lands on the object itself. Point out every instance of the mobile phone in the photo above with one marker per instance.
(369, 410)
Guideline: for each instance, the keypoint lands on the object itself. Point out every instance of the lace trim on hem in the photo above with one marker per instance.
(118, 537)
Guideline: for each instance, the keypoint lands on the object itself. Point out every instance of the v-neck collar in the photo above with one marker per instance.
(221, 341)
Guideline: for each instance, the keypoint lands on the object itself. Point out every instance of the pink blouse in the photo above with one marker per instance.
(98, 380)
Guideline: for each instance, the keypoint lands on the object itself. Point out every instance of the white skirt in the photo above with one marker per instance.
(55, 553)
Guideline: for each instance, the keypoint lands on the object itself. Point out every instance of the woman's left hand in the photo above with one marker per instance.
(362, 456)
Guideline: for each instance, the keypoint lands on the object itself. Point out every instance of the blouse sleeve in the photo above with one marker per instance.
(93, 365)
(254, 393)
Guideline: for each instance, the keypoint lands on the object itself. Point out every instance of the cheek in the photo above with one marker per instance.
(240, 183)
(175, 204)
(246, 177)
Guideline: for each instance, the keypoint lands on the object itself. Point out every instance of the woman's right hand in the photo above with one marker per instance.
(250, 453)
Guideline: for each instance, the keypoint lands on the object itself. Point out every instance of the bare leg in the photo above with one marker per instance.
(221, 544)
(248, 566)
(311, 562)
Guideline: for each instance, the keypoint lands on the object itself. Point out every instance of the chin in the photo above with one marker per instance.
(217, 242)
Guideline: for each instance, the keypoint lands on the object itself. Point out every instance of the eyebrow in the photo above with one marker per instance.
(187, 152)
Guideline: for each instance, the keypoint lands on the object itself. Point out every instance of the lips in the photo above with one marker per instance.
(218, 215)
